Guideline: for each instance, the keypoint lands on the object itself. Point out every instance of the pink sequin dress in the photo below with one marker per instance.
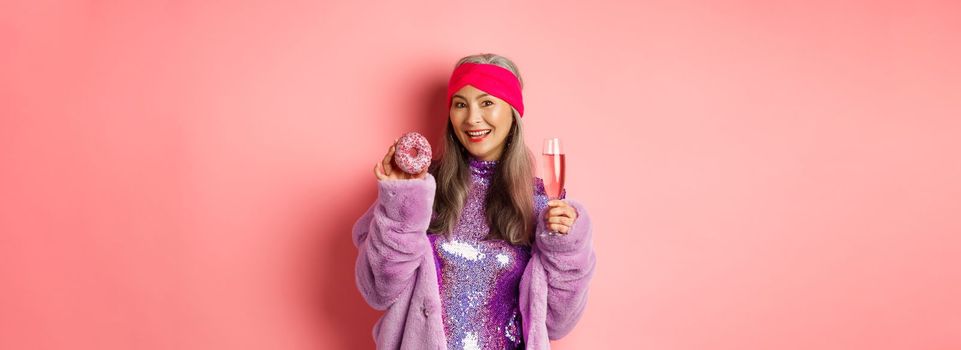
(479, 278)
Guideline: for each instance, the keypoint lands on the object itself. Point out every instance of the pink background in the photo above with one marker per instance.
(761, 175)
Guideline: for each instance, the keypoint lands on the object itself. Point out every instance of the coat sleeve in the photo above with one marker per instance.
(569, 262)
(391, 238)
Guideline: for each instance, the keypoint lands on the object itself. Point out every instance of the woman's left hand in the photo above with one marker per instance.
(560, 216)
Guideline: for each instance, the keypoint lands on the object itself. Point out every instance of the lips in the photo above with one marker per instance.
(477, 135)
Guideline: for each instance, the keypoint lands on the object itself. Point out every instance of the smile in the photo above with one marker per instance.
(479, 133)
(477, 136)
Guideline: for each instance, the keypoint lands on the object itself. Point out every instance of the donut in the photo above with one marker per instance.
(412, 154)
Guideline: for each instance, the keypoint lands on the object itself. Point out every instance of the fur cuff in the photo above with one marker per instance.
(410, 202)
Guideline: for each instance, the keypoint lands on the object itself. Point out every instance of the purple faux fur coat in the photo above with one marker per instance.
(395, 271)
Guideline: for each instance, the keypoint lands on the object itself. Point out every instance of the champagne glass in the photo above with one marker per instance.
(552, 168)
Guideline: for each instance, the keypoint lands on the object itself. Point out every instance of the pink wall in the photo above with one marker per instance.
(762, 175)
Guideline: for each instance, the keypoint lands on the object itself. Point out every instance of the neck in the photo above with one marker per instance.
(480, 167)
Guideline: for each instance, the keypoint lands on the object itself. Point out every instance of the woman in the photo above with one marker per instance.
(464, 255)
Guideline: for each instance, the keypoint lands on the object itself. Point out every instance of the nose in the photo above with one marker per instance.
(474, 116)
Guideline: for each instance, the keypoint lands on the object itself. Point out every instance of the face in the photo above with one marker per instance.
(474, 110)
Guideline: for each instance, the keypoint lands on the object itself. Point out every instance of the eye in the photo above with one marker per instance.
(459, 104)
(488, 102)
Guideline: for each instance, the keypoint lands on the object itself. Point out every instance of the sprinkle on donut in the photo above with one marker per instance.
(413, 153)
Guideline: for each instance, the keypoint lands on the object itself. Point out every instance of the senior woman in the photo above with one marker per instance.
(463, 255)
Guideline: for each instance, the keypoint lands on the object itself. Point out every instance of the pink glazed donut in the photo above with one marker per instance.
(413, 153)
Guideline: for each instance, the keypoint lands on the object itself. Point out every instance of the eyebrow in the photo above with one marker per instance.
(479, 96)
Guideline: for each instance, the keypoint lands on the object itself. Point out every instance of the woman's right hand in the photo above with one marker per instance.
(388, 170)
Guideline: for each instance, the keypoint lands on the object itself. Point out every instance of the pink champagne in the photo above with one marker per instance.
(553, 174)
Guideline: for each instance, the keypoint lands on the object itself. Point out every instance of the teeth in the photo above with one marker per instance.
(480, 133)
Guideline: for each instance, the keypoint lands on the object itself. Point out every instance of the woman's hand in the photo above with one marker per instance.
(560, 216)
(388, 170)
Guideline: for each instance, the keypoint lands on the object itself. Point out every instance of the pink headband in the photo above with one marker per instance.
(492, 79)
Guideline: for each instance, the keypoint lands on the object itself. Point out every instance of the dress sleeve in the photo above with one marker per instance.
(391, 238)
(568, 260)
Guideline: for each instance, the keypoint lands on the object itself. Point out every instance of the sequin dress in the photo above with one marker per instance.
(479, 279)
